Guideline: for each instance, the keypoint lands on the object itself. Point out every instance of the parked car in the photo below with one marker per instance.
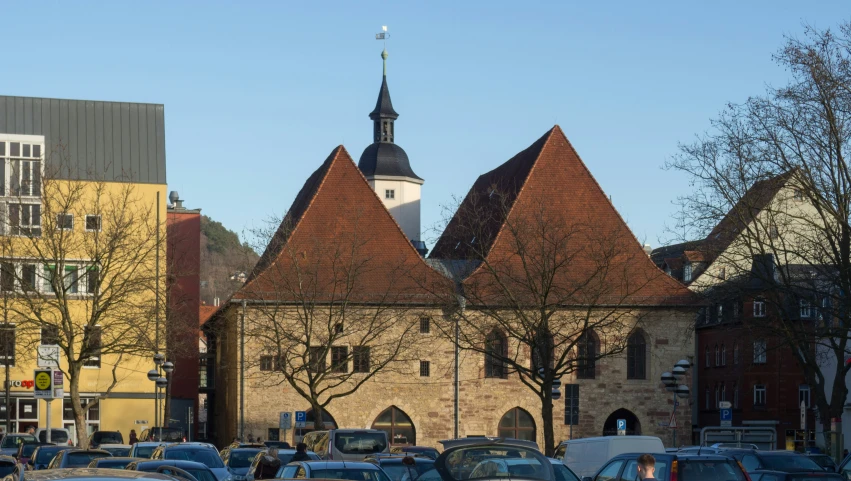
(562, 472)
(11, 442)
(763, 475)
(43, 455)
(416, 450)
(347, 444)
(825, 461)
(202, 453)
(57, 436)
(88, 474)
(785, 461)
(76, 458)
(224, 452)
(105, 437)
(735, 445)
(277, 444)
(26, 450)
(585, 456)
(169, 435)
(143, 449)
(116, 449)
(333, 470)
(673, 467)
(198, 470)
(239, 460)
(285, 455)
(8, 464)
(401, 467)
(493, 459)
(113, 462)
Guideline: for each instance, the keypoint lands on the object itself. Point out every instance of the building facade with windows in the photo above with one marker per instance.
(288, 318)
(73, 175)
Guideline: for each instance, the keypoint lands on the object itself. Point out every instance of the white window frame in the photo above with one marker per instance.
(6, 160)
(390, 194)
(100, 223)
(687, 272)
(760, 348)
(806, 309)
(59, 223)
(804, 393)
(758, 308)
(760, 391)
(41, 285)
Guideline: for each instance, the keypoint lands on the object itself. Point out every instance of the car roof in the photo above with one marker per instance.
(399, 459)
(100, 451)
(339, 464)
(7, 459)
(485, 441)
(119, 458)
(92, 473)
(172, 462)
(57, 447)
(115, 445)
(149, 443)
(254, 448)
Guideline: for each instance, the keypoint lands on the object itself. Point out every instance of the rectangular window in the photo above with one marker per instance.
(28, 277)
(759, 394)
(425, 325)
(49, 274)
(91, 279)
(360, 358)
(50, 335)
(265, 363)
(339, 359)
(93, 346)
(338, 328)
(804, 395)
(759, 352)
(72, 279)
(425, 368)
(25, 178)
(389, 194)
(7, 276)
(7, 344)
(317, 358)
(65, 221)
(758, 308)
(25, 219)
(736, 396)
(806, 309)
(93, 223)
(687, 272)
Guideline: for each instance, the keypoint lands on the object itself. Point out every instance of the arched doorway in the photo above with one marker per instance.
(518, 424)
(328, 422)
(399, 427)
(633, 425)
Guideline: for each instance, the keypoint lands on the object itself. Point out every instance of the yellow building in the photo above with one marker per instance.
(82, 263)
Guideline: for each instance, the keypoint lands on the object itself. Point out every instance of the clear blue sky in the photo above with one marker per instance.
(257, 94)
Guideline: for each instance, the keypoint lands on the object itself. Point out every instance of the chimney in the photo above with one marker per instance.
(763, 269)
(176, 201)
(216, 301)
(647, 249)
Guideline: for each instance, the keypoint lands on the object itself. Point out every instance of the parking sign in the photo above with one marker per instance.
(621, 427)
(300, 419)
(285, 421)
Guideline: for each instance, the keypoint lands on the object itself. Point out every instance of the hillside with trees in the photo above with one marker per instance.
(224, 259)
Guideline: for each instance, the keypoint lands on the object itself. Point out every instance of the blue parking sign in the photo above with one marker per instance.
(301, 419)
(621, 425)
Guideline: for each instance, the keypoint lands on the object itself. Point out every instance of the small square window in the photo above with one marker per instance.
(65, 221)
(338, 328)
(425, 325)
(93, 223)
(265, 363)
(36, 151)
(389, 194)
(425, 368)
(15, 149)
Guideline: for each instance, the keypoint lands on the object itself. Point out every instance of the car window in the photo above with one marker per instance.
(56, 459)
(750, 462)
(143, 451)
(17, 440)
(350, 474)
(205, 456)
(201, 474)
(300, 473)
(704, 470)
(243, 459)
(559, 454)
(630, 472)
(789, 463)
(360, 442)
(610, 471)
(81, 459)
(44, 455)
(563, 473)
(107, 437)
(400, 472)
(287, 472)
(27, 449)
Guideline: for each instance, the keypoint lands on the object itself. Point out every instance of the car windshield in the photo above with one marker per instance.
(475, 462)
(201, 474)
(563, 473)
(360, 442)
(107, 437)
(144, 451)
(401, 472)
(82, 459)
(44, 455)
(118, 452)
(58, 436)
(27, 449)
(205, 456)
(824, 461)
(350, 474)
(13, 441)
(6, 469)
(243, 458)
(789, 462)
(710, 469)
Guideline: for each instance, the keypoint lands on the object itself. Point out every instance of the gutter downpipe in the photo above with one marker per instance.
(242, 374)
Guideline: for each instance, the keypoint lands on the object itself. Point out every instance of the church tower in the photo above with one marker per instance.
(388, 170)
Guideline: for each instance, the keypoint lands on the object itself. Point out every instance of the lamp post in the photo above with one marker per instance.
(154, 376)
(671, 380)
(165, 418)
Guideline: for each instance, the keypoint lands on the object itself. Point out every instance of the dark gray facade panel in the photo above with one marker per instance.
(93, 140)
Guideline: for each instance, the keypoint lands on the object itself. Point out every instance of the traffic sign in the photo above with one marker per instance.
(725, 405)
(300, 419)
(621, 427)
(43, 384)
(673, 422)
(285, 421)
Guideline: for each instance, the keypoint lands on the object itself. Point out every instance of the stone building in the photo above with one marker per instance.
(341, 258)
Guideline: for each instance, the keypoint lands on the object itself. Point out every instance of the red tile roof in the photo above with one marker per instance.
(694, 256)
(337, 242)
(548, 179)
(205, 313)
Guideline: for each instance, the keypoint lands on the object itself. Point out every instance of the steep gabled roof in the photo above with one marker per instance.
(550, 175)
(339, 241)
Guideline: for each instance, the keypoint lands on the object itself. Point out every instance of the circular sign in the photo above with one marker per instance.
(42, 381)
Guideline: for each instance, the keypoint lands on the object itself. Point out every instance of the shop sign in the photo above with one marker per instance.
(26, 384)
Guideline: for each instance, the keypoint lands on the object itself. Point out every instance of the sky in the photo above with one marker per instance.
(257, 94)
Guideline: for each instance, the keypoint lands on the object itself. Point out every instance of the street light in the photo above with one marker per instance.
(671, 381)
(159, 381)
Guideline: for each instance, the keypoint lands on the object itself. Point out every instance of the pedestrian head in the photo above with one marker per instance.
(646, 466)
(301, 447)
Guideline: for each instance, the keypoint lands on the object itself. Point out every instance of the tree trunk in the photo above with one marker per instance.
(318, 423)
(77, 407)
(547, 417)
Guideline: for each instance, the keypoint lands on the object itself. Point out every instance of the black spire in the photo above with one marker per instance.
(383, 156)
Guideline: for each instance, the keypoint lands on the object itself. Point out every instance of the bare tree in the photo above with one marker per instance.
(79, 261)
(332, 297)
(797, 135)
(543, 292)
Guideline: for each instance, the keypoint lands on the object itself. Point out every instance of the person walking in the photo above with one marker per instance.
(646, 467)
(300, 453)
(268, 466)
(133, 438)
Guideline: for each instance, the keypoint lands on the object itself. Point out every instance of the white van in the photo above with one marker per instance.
(585, 456)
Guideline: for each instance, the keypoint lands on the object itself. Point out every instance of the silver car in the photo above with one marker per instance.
(333, 470)
(202, 453)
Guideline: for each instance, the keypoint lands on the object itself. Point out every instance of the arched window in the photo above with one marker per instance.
(518, 424)
(587, 348)
(717, 356)
(636, 356)
(707, 355)
(723, 355)
(398, 426)
(495, 351)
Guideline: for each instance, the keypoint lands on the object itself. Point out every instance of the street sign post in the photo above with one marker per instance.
(43, 384)
(285, 421)
(621, 427)
(300, 419)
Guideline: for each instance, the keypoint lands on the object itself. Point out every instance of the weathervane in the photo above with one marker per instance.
(383, 37)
